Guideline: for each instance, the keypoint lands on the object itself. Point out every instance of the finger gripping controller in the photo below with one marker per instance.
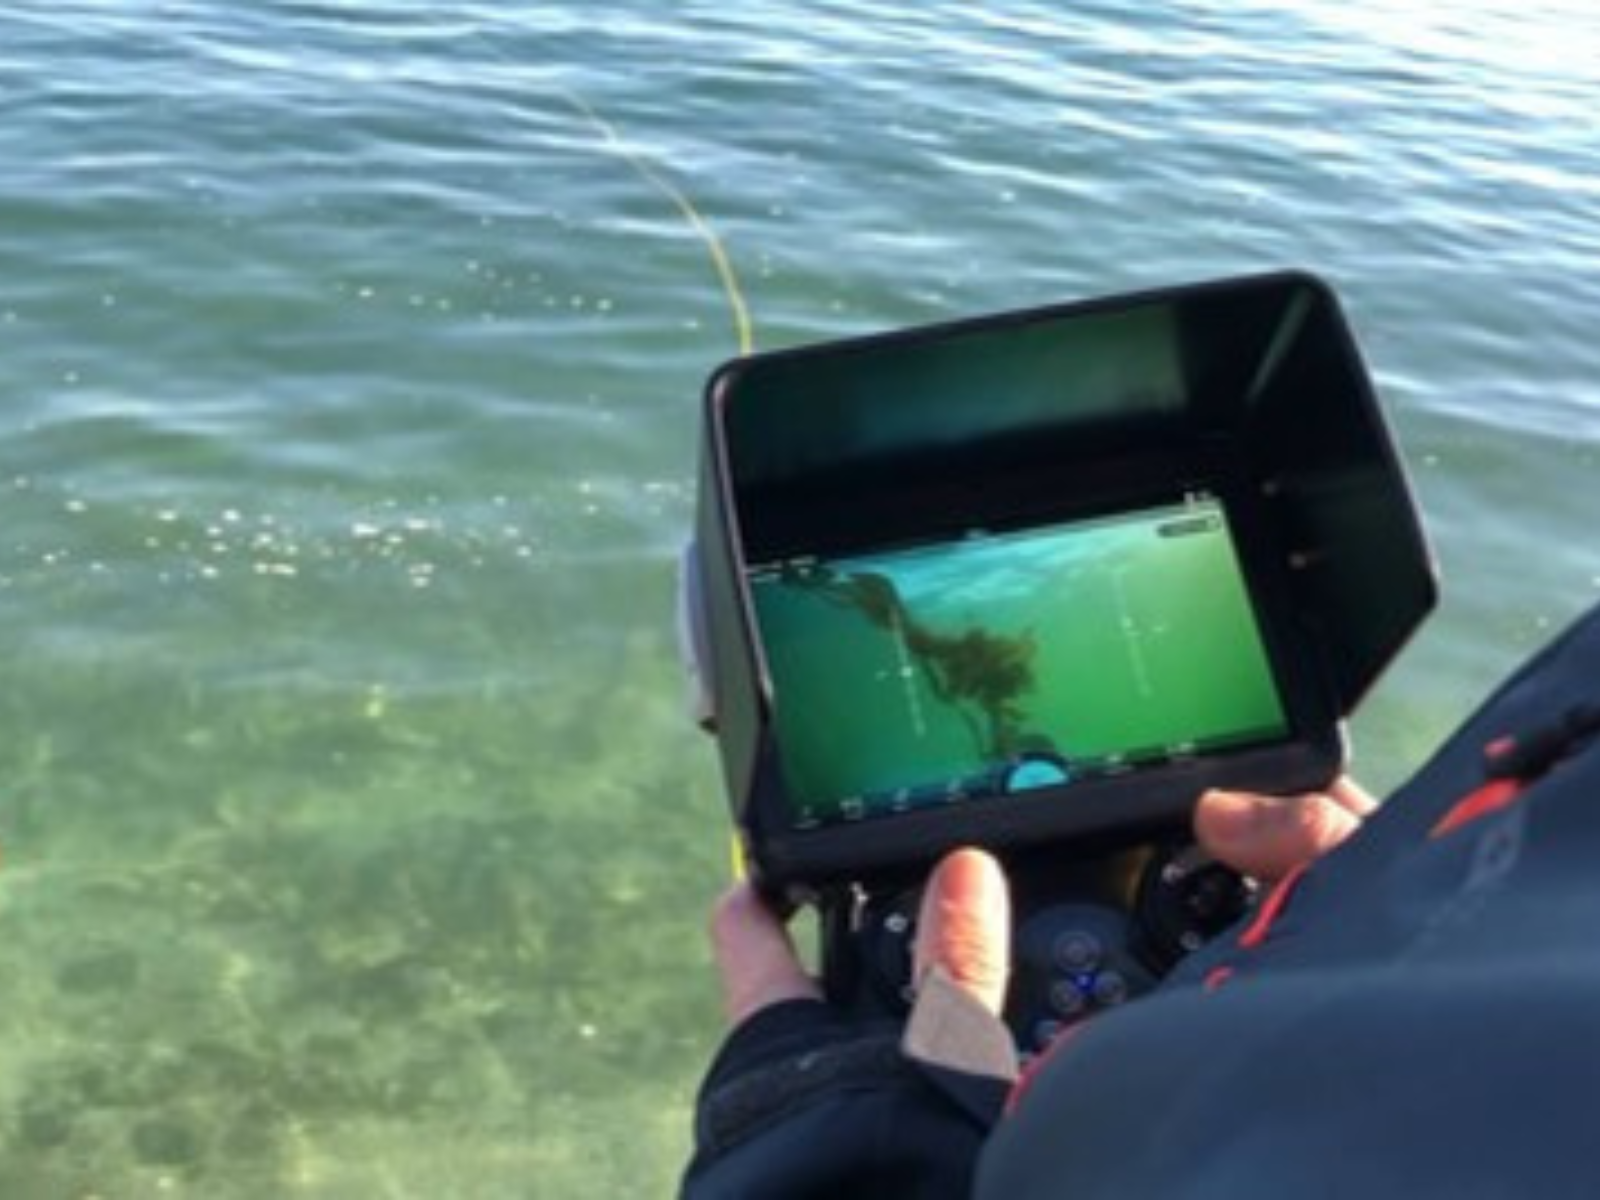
(1085, 940)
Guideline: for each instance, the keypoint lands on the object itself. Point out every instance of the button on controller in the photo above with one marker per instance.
(1184, 903)
(1077, 950)
(1073, 960)
(1068, 998)
(1110, 989)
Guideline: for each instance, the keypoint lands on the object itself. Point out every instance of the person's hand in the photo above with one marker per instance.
(965, 922)
(964, 926)
(1269, 836)
(755, 956)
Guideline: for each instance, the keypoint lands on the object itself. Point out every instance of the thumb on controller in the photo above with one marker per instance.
(964, 926)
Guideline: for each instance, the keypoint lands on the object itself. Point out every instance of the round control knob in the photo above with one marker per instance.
(1067, 998)
(1077, 950)
(1110, 989)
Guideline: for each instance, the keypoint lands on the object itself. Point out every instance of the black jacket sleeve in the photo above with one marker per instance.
(802, 1103)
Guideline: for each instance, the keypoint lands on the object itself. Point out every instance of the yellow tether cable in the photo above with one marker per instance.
(743, 327)
(702, 228)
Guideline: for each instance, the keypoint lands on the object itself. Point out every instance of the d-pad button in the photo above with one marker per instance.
(1077, 951)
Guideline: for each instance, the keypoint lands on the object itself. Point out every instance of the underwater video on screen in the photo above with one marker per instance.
(944, 673)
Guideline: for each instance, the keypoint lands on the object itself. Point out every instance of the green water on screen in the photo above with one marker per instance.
(921, 675)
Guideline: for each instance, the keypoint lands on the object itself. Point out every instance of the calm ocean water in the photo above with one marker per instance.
(354, 844)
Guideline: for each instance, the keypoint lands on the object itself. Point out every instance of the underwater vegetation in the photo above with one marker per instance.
(984, 675)
(345, 939)
(987, 671)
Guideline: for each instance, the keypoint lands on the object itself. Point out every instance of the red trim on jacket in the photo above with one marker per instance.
(1216, 977)
(1271, 909)
(1491, 797)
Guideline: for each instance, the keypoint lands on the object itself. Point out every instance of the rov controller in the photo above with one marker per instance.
(1088, 936)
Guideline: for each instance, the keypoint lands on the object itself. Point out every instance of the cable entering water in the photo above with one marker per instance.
(702, 228)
